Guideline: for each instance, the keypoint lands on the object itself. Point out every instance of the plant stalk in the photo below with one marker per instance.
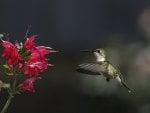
(11, 95)
(7, 103)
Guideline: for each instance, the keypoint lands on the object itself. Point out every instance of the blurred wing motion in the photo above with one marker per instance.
(91, 68)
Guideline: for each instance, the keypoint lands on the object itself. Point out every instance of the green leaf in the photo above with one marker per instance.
(9, 73)
(6, 66)
(6, 85)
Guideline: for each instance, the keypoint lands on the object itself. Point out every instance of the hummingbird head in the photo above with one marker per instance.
(100, 54)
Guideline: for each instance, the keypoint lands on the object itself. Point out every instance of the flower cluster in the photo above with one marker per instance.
(26, 58)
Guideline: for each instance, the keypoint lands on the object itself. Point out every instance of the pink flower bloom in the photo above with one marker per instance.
(42, 50)
(35, 56)
(35, 66)
(28, 85)
(25, 59)
(20, 65)
(37, 61)
(29, 43)
(11, 53)
(20, 68)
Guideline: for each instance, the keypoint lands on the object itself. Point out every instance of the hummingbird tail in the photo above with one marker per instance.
(123, 83)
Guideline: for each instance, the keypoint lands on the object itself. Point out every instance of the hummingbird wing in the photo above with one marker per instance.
(91, 68)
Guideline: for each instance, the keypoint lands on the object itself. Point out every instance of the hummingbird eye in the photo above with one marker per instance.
(98, 51)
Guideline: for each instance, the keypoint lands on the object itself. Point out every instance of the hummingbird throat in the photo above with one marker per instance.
(99, 58)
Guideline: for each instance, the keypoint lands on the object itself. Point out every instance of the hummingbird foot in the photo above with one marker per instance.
(107, 79)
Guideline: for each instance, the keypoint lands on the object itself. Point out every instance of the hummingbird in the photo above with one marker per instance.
(102, 67)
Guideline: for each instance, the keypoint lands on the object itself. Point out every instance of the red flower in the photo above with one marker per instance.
(11, 53)
(29, 43)
(37, 61)
(35, 56)
(35, 66)
(42, 50)
(28, 59)
(28, 84)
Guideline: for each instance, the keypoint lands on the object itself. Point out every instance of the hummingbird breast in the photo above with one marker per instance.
(111, 71)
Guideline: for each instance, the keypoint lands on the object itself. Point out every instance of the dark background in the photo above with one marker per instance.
(122, 27)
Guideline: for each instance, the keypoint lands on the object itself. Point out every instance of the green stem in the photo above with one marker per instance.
(11, 95)
(14, 83)
(7, 103)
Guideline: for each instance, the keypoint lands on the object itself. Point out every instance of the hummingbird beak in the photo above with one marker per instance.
(88, 51)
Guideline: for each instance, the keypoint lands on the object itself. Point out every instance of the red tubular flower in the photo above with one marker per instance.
(24, 59)
(11, 53)
(29, 58)
(37, 61)
(42, 50)
(34, 67)
(29, 43)
(28, 84)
